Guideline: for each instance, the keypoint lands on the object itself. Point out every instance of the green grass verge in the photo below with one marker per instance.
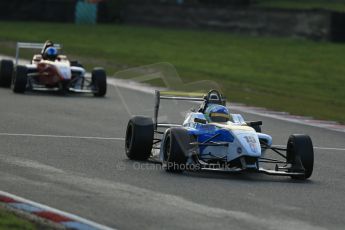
(9, 221)
(299, 76)
(336, 5)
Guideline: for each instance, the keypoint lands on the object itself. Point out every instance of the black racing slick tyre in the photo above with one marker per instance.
(99, 82)
(6, 71)
(300, 152)
(139, 138)
(20, 79)
(176, 148)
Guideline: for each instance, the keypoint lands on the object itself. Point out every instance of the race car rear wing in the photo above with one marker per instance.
(159, 97)
(26, 45)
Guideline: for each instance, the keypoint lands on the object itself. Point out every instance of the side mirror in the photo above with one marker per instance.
(200, 120)
(254, 123)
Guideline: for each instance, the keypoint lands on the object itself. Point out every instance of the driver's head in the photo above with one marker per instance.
(217, 113)
(50, 53)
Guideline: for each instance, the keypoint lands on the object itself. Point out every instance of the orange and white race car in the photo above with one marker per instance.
(51, 71)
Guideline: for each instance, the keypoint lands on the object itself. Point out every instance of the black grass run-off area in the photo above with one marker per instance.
(298, 76)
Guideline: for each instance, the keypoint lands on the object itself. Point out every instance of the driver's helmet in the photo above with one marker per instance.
(217, 113)
(50, 53)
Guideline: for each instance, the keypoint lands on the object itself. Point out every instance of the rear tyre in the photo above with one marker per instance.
(139, 138)
(99, 82)
(20, 79)
(300, 152)
(6, 71)
(176, 148)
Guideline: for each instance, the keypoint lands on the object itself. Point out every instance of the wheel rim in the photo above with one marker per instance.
(167, 149)
(13, 81)
(129, 136)
(290, 151)
(96, 86)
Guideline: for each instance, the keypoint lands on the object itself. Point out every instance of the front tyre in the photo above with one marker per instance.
(139, 138)
(176, 148)
(20, 79)
(99, 82)
(6, 71)
(300, 152)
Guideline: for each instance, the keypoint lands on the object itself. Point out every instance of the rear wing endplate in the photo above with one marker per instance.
(26, 45)
(159, 97)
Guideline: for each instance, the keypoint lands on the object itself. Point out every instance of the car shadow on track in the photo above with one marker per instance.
(245, 176)
(61, 95)
(253, 177)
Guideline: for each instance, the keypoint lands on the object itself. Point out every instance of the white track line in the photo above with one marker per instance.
(61, 136)
(322, 148)
(327, 148)
(47, 208)
(117, 139)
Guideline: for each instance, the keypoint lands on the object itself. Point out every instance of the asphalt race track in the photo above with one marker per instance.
(68, 152)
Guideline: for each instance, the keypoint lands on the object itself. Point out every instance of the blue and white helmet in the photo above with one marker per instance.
(50, 53)
(217, 113)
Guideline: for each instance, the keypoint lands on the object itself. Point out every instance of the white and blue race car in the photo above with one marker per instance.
(211, 139)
